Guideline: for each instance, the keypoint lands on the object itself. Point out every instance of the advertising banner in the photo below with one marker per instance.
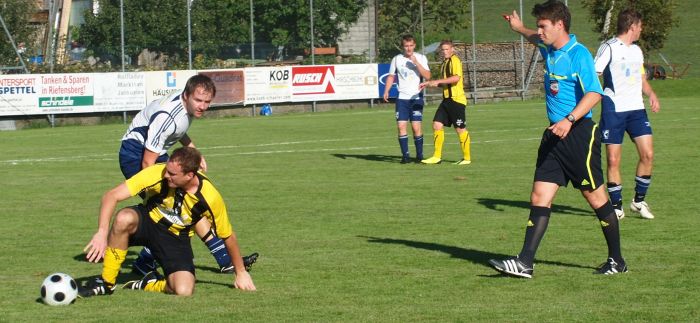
(66, 93)
(313, 83)
(356, 81)
(162, 83)
(383, 71)
(268, 84)
(119, 92)
(18, 94)
(230, 88)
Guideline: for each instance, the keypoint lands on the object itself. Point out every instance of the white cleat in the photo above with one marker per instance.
(643, 209)
(620, 213)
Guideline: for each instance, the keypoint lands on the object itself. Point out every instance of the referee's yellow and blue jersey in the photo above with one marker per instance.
(569, 75)
(453, 66)
(178, 210)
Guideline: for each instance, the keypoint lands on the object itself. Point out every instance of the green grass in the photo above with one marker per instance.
(346, 233)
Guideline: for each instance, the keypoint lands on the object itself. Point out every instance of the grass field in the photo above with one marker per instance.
(346, 233)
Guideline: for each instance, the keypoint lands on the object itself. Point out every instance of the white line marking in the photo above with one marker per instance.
(110, 157)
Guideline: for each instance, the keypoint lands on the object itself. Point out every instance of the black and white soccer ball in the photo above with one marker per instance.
(59, 289)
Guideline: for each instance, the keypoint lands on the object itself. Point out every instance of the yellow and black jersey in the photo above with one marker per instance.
(177, 209)
(453, 66)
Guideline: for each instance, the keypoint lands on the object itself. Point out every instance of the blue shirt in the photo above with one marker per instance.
(569, 74)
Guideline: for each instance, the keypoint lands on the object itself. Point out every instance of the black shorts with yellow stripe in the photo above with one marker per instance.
(172, 252)
(574, 159)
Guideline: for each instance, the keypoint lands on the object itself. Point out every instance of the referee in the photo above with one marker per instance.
(570, 146)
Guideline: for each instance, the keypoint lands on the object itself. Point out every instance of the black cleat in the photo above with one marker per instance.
(610, 267)
(248, 261)
(141, 283)
(512, 267)
(95, 287)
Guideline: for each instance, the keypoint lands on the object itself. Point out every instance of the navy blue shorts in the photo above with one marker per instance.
(409, 110)
(613, 125)
(130, 157)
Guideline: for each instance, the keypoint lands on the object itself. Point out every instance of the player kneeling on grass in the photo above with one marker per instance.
(177, 196)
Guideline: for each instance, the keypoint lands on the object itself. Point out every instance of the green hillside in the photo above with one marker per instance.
(681, 47)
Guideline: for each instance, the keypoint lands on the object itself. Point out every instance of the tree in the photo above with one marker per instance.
(397, 18)
(147, 25)
(216, 25)
(657, 16)
(289, 25)
(17, 14)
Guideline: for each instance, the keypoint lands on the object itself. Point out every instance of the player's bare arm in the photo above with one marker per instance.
(435, 83)
(649, 92)
(516, 24)
(149, 158)
(243, 280)
(95, 249)
(424, 72)
(387, 87)
(588, 101)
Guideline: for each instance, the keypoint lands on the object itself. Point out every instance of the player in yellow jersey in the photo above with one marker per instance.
(177, 196)
(452, 109)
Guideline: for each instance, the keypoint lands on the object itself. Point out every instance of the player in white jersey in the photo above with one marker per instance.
(412, 68)
(621, 63)
(152, 132)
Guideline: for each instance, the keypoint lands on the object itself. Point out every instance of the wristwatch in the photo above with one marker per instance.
(571, 118)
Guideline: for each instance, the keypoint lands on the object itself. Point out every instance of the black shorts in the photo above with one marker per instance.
(451, 112)
(173, 253)
(575, 159)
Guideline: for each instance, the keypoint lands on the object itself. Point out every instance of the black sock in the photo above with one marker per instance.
(611, 231)
(536, 226)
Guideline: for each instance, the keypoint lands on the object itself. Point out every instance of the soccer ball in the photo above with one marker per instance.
(59, 289)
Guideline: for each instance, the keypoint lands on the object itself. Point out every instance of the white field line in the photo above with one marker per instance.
(112, 157)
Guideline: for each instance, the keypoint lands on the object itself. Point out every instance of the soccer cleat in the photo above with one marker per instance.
(418, 159)
(248, 261)
(405, 160)
(95, 287)
(511, 266)
(141, 283)
(643, 209)
(610, 267)
(463, 162)
(431, 161)
(620, 213)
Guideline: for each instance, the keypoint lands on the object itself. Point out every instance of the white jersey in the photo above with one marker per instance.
(622, 68)
(409, 77)
(161, 124)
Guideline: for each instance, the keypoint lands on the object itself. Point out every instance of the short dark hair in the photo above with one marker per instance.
(200, 80)
(447, 42)
(407, 37)
(626, 18)
(553, 10)
(188, 158)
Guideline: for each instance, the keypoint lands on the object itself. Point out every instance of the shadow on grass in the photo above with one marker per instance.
(371, 157)
(496, 205)
(472, 255)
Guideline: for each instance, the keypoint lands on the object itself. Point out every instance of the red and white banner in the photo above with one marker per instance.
(313, 83)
